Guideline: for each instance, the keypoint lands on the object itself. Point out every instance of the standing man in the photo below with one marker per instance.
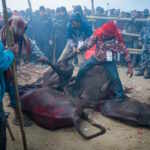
(43, 32)
(6, 59)
(17, 26)
(78, 9)
(40, 30)
(59, 32)
(144, 68)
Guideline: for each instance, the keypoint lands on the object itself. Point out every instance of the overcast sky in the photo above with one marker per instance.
(122, 4)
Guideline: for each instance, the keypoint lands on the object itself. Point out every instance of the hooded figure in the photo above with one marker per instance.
(41, 31)
(77, 30)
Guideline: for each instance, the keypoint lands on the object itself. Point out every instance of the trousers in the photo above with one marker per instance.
(111, 69)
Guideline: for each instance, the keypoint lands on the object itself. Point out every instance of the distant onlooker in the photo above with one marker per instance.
(59, 32)
(99, 11)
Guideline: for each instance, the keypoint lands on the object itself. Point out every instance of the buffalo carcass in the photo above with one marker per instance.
(52, 105)
(53, 109)
(130, 112)
(97, 78)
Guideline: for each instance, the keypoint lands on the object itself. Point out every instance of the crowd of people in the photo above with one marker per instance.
(118, 13)
(52, 25)
(52, 35)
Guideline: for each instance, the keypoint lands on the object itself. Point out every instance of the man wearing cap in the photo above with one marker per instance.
(144, 67)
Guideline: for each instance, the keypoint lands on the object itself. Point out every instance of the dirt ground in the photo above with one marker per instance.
(118, 136)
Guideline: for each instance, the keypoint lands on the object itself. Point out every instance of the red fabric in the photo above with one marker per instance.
(18, 23)
(90, 52)
(108, 30)
(48, 109)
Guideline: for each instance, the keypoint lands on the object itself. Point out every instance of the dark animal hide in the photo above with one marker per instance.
(53, 106)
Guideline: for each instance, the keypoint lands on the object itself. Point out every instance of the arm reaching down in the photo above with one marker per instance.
(125, 51)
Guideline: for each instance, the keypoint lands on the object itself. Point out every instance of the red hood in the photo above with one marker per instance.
(109, 29)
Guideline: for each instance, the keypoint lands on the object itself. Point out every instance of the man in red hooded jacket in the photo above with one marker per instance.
(109, 43)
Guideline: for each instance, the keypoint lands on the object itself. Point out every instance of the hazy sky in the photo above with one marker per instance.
(122, 4)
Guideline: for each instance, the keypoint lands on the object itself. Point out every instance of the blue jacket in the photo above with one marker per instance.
(84, 32)
(6, 59)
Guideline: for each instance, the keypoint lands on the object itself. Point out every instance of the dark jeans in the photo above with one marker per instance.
(2, 129)
(110, 67)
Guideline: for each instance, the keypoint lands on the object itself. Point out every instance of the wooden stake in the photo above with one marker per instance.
(10, 42)
(54, 48)
(30, 8)
(92, 7)
(93, 13)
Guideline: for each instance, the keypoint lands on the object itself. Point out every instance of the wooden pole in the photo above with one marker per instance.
(92, 7)
(93, 12)
(10, 131)
(30, 7)
(10, 42)
(54, 48)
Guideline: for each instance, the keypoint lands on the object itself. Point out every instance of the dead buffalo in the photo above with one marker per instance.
(53, 109)
(130, 112)
(53, 106)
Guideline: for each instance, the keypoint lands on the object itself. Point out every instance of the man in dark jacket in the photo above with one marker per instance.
(144, 68)
(77, 30)
(41, 29)
(59, 32)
